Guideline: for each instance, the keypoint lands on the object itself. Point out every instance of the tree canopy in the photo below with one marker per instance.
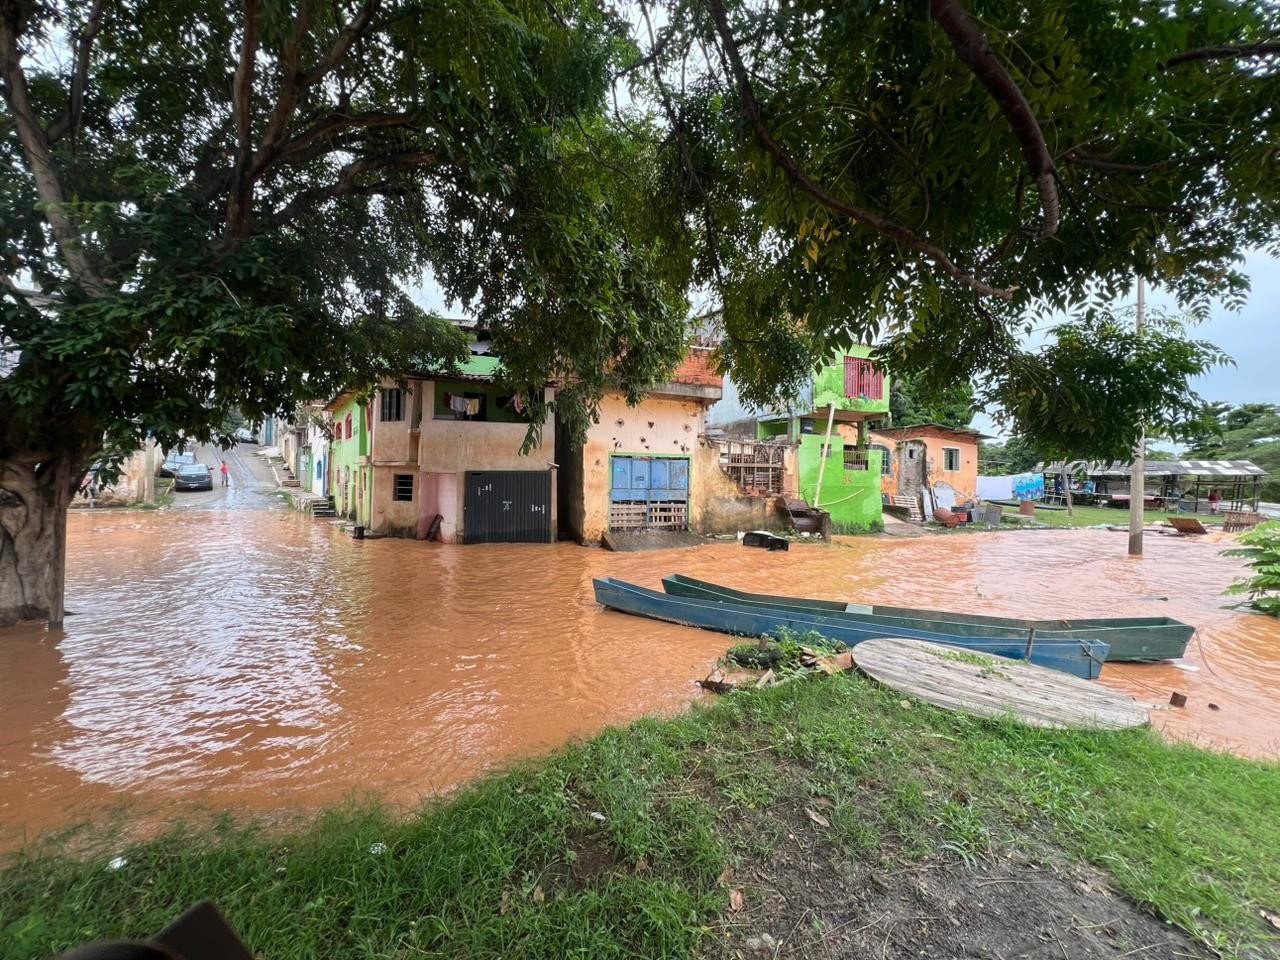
(207, 206)
(936, 177)
(910, 404)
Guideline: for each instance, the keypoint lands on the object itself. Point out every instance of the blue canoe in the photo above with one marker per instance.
(1080, 658)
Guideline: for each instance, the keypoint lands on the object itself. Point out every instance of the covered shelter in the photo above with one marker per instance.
(1174, 485)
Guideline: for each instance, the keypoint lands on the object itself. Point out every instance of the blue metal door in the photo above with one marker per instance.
(648, 491)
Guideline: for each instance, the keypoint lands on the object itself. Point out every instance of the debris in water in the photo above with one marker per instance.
(1177, 699)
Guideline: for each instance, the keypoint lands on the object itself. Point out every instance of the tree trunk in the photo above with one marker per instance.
(34, 496)
(1066, 493)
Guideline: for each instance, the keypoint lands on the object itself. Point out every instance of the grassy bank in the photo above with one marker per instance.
(1092, 516)
(796, 811)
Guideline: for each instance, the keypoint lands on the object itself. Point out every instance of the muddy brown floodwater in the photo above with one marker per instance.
(259, 660)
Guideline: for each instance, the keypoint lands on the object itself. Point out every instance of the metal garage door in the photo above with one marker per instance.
(649, 492)
(507, 506)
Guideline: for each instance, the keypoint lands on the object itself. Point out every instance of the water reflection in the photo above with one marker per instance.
(260, 660)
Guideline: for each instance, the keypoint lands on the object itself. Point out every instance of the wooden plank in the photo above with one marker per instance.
(986, 686)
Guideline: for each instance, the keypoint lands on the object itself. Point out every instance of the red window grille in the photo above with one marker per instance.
(348, 425)
(862, 379)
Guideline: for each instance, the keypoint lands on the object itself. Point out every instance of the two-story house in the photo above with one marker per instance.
(438, 457)
(645, 467)
(849, 394)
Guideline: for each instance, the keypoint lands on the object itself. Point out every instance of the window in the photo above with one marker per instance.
(855, 458)
(348, 426)
(950, 458)
(862, 380)
(886, 459)
(392, 409)
(402, 487)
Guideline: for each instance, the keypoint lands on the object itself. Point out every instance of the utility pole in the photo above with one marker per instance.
(1138, 475)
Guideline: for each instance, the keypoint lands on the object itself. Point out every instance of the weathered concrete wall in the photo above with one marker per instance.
(963, 481)
(719, 506)
(659, 426)
(397, 518)
(137, 483)
(451, 446)
(393, 441)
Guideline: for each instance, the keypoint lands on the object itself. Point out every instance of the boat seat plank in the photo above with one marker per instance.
(985, 686)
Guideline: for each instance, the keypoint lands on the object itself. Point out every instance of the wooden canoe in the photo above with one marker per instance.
(1080, 658)
(1129, 638)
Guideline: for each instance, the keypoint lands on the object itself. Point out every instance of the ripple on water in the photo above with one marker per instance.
(268, 661)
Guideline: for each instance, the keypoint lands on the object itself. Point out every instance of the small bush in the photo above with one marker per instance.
(1262, 550)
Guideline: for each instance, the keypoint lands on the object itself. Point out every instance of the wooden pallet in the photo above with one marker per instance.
(1235, 521)
(912, 505)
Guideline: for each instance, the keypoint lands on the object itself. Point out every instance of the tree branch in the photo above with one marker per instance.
(975, 52)
(287, 101)
(320, 133)
(347, 185)
(69, 124)
(881, 225)
(241, 197)
(1261, 48)
(349, 35)
(40, 160)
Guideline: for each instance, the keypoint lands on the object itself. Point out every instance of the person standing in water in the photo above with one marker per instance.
(226, 474)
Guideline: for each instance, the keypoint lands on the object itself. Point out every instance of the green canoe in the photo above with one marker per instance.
(1131, 638)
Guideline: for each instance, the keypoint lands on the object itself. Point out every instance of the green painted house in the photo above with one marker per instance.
(849, 392)
(350, 468)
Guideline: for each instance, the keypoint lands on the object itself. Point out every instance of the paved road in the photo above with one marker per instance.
(250, 487)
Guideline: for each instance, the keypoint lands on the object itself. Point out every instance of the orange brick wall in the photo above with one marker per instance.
(696, 368)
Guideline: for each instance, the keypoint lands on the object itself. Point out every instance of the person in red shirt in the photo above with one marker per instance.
(1215, 498)
(226, 474)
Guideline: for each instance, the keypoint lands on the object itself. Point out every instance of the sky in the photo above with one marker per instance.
(1250, 336)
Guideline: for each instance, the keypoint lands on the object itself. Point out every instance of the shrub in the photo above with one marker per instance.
(1262, 550)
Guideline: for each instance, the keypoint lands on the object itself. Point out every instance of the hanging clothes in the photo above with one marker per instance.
(459, 405)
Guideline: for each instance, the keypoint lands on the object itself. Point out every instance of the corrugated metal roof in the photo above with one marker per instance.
(1161, 468)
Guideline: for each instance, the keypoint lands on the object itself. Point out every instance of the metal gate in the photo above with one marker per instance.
(649, 492)
(507, 506)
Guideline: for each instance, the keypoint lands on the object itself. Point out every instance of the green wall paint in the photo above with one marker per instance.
(852, 497)
(344, 456)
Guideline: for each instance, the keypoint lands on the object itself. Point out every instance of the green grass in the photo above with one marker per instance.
(1092, 516)
(612, 848)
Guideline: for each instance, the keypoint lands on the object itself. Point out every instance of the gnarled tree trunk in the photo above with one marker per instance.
(34, 496)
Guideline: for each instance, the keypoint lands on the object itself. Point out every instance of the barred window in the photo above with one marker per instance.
(402, 487)
(392, 405)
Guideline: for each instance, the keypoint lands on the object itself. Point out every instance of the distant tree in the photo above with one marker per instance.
(1015, 455)
(910, 404)
(221, 205)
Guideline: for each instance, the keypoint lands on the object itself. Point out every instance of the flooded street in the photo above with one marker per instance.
(237, 655)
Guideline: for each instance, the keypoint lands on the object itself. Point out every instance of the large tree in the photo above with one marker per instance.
(210, 205)
(946, 175)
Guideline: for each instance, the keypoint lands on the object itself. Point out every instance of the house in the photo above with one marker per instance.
(438, 456)
(647, 467)
(849, 393)
(930, 460)
(349, 472)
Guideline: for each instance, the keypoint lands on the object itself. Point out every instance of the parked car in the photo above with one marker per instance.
(193, 476)
(174, 462)
(245, 435)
